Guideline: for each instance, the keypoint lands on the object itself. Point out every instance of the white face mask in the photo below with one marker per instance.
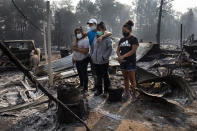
(79, 36)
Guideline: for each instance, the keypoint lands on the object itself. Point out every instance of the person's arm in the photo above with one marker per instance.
(85, 49)
(74, 44)
(118, 54)
(105, 35)
(109, 49)
(73, 60)
(82, 50)
(118, 51)
(130, 53)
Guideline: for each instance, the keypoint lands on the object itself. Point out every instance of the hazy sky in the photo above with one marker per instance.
(178, 5)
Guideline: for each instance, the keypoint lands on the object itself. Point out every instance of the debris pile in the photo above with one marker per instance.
(167, 97)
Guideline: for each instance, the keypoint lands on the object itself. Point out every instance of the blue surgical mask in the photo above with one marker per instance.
(93, 28)
(99, 33)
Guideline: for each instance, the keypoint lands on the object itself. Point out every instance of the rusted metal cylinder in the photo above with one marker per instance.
(115, 94)
(72, 98)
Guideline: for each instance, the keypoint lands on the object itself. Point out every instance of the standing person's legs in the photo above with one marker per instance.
(126, 80)
(107, 83)
(85, 73)
(133, 81)
(132, 68)
(99, 79)
(126, 94)
(93, 73)
(80, 72)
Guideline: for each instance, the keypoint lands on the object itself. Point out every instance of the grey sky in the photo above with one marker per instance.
(178, 5)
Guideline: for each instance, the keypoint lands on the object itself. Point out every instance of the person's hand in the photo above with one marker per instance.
(75, 48)
(120, 59)
(100, 39)
(73, 61)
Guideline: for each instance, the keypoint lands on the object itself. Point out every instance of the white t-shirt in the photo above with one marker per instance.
(83, 43)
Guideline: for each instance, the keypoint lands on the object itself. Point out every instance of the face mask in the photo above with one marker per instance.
(93, 28)
(99, 33)
(126, 34)
(79, 36)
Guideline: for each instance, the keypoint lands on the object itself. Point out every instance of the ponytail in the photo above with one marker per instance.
(102, 26)
(129, 24)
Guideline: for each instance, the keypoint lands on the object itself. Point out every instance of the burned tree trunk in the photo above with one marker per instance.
(159, 22)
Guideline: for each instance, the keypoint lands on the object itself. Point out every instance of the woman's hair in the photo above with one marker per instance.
(81, 30)
(102, 26)
(129, 24)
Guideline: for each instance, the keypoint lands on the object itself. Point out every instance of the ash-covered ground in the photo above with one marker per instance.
(146, 114)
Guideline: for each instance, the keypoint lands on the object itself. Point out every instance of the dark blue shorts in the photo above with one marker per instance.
(128, 66)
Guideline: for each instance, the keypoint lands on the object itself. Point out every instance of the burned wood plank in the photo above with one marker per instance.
(37, 102)
(28, 88)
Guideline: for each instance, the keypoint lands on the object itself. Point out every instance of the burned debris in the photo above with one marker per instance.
(190, 46)
(93, 80)
(171, 88)
(22, 49)
(72, 97)
(27, 73)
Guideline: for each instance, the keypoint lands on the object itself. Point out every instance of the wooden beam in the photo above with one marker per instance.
(45, 43)
(49, 43)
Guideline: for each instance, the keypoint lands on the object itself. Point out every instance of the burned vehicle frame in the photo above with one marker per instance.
(22, 49)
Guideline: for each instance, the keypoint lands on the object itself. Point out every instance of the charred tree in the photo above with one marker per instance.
(159, 22)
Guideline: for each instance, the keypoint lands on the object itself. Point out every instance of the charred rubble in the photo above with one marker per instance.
(164, 79)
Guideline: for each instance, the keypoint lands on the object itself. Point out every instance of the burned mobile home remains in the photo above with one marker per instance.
(158, 83)
(40, 88)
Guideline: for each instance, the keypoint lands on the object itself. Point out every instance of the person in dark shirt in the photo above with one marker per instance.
(126, 52)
